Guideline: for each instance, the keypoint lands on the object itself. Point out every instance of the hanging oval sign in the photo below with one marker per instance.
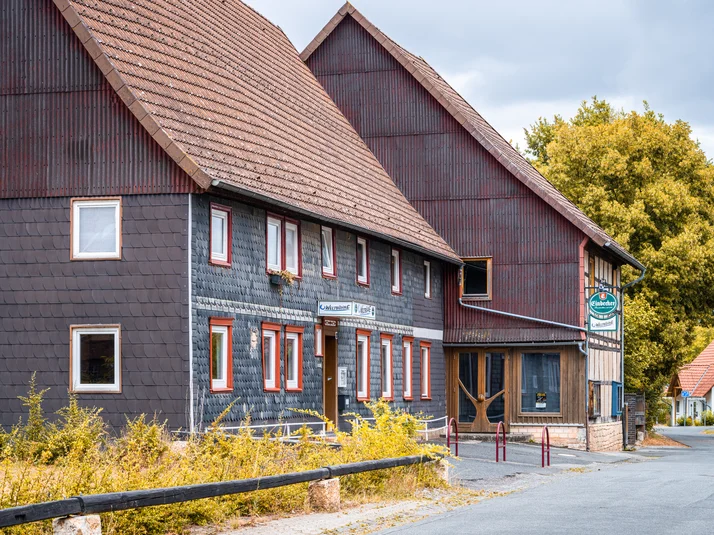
(603, 303)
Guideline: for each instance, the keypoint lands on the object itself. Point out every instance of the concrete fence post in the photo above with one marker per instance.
(324, 495)
(77, 525)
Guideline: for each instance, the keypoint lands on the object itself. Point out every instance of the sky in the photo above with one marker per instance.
(518, 60)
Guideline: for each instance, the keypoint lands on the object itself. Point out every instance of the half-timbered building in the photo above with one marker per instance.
(515, 314)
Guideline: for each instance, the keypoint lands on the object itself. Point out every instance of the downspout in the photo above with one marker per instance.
(191, 422)
(622, 331)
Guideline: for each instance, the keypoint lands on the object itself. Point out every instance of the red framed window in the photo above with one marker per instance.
(425, 353)
(329, 253)
(283, 245)
(318, 341)
(271, 357)
(362, 261)
(221, 354)
(396, 271)
(386, 366)
(293, 358)
(407, 366)
(363, 364)
(220, 235)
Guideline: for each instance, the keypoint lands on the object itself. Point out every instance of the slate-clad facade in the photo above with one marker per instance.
(244, 293)
(116, 304)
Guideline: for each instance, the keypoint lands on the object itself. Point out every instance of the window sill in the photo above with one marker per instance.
(296, 389)
(219, 263)
(328, 276)
(396, 293)
(363, 284)
(94, 392)
(220, 390)
(426, 398)
(93, 258)
(468, 298)
(363, 398)
(408, 398)
(273, 389)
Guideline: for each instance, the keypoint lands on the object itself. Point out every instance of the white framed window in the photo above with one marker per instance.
(407, 363)
(427, 279)
(386, 366)
(396, 272)
(329, 268)
(318, 341)
(293, 358)
(363, 374)
(96, 229)
(362, 261)
(425, 370)
(274, 244)
(271, 357)
(221, 371)
(220, 235)
(292, 248)
(95, 358)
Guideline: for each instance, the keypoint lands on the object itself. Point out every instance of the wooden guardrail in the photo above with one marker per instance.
(119, 501)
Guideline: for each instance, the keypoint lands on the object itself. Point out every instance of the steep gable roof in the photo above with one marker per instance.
(224, 93)
(477, 126)
(697, 377)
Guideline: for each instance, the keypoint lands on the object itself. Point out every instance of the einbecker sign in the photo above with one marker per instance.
(603, 303)
(346, 309)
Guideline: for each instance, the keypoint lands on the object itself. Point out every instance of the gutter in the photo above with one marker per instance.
(643, 269)
(455, 260)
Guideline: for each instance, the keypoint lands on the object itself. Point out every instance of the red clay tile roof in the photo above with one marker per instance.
(697, 377)
(224, 92)
(477, 126)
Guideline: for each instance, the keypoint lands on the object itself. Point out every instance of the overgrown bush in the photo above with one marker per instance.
(680, 420)
(41, 461)
(708, 418)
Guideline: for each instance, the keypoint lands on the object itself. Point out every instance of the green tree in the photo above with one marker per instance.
(651, 187)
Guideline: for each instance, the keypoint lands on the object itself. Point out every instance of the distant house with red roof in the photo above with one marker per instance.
(692, 388)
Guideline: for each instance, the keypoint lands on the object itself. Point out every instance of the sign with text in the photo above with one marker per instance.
(602, 303)
(608, 325)
(346, 309)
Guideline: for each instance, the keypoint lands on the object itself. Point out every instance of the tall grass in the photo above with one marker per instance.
(42, 461)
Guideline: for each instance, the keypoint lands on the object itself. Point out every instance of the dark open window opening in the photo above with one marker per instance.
(476, 278)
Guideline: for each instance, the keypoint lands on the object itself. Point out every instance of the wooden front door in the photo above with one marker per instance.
(329, 379)
(481, 379)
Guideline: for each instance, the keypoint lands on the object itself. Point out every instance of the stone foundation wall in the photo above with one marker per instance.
(564, 436)
(605, 437)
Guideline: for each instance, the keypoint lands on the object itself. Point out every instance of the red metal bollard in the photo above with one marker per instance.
(448, 436)
(499, 429)
(544, 435)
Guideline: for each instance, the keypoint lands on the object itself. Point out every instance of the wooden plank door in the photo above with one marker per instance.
(480, 378)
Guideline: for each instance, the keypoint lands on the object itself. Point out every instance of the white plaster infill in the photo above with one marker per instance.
(240, 308)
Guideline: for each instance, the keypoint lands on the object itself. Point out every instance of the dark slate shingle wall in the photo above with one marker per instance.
(244, 293)
(42, 293)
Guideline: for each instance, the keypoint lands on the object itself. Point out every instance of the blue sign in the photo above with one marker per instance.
(685, 394)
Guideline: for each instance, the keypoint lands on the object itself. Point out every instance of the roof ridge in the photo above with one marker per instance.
(547, 191)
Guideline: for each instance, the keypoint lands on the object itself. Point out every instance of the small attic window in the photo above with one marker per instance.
(476, 278)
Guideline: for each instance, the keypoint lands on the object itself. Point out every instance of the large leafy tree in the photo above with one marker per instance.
(649, 185)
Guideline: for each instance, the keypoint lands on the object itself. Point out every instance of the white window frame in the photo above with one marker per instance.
(224, 216)
(364, 265)
(293, 227)
(363, 363)
(330, 271)
(396, 270)
(427, 279)
(77, 206)
(76, 332)
(292, 338)
(425, 371)
(386, 371)
(279, 224)
(407, 356)
(318, 341)
(270, 361)
(221, 384)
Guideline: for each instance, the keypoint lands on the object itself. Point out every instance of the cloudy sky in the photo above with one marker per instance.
(517, 60)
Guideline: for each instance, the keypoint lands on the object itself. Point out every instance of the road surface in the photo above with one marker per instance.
(656, 490)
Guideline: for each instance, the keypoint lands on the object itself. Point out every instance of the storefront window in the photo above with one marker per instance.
(540, 382)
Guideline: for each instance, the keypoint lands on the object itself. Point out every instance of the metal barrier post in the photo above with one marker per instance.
(501, 428)
(544, 435)
(448, 436)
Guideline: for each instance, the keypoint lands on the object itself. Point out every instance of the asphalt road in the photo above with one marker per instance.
(656, 490)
